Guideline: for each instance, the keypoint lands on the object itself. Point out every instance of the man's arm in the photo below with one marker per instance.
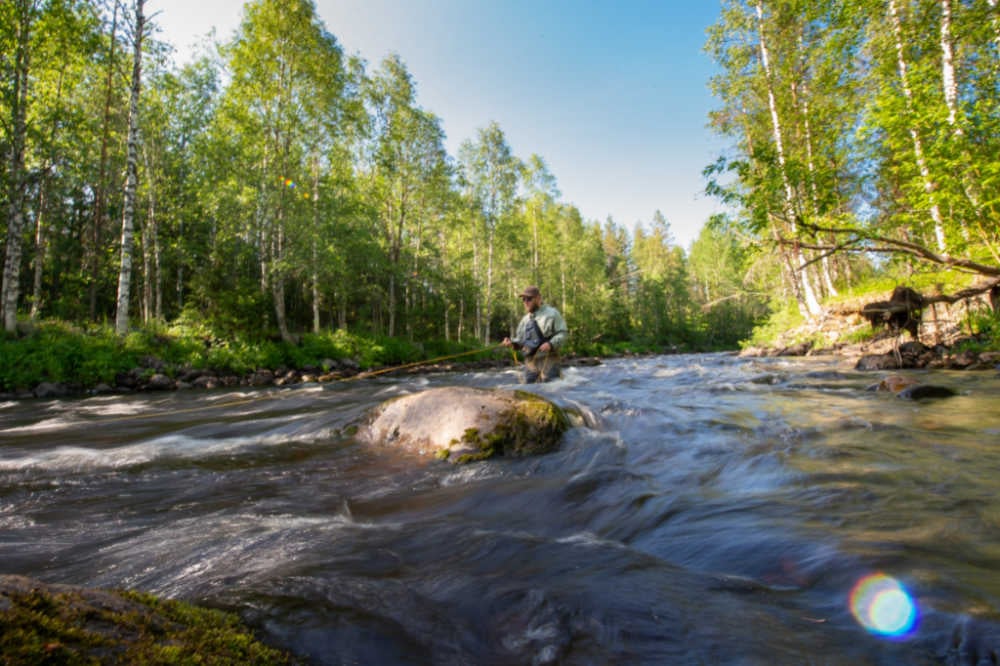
(560, 331)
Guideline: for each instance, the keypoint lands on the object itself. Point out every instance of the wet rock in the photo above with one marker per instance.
(963, 360)
(925, 391)
(159, 382)
(894, 383)
(262, 377)
(206, 382)
(190, 375)
(910, 388)
(463, 424)
(51, 390)
(800, 349)
(878, 362)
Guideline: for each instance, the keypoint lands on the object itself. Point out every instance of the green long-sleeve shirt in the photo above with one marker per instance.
(550, 323)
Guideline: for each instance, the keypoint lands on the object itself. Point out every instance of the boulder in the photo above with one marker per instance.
(464, 424)
(159, 382)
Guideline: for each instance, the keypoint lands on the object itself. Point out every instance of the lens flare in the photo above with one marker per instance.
(883, 606)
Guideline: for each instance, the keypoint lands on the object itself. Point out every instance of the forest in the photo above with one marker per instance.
(275, 187)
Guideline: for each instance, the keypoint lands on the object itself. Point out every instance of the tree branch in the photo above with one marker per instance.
(892, 245)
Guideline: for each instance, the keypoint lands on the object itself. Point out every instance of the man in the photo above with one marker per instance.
(540, 334)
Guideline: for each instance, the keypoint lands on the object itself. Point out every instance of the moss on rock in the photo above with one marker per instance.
(63, 624)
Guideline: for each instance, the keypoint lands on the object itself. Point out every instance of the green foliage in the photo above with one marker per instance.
(785, 319)
(984, 324)
(58, 352)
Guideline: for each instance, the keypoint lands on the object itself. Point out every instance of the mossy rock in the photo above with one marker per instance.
(64, 624)
(463, 424)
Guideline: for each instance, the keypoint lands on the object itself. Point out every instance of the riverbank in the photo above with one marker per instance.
(153, 375)
(941, 336)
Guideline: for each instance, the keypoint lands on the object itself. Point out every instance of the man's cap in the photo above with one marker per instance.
(531, 291)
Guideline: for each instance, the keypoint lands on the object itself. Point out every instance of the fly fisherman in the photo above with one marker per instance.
(540, 334)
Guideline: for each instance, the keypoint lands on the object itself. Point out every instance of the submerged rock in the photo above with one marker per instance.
(463, 424)
(909, 388)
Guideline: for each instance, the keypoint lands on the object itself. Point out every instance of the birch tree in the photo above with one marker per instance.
(802, 283)
(132, 174)
(918, 147)
(21, 16)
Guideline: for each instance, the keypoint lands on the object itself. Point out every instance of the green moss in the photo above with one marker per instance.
(84, 627)
(534, 425)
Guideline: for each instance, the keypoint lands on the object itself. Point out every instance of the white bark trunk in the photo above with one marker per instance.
(949, 82)
(131, 177)
(315, 249)
(948, 67)
(10, 289)
(808, 302)
(918, 149)
(40, 244)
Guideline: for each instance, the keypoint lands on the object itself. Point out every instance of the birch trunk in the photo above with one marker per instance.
(950, 84)
(918, 149)
(805, 293)
(16, 178)
(489, 288)
(278, 279)
(131, 177)
(824, 265)
(40, 245)
(315, 250)
(151, 300)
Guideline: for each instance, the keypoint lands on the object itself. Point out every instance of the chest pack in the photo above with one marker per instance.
(533, 338)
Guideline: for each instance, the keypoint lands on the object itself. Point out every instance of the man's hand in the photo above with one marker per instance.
(545, 347)
(506, 342)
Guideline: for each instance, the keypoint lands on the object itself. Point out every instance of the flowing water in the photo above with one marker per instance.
(707, 510)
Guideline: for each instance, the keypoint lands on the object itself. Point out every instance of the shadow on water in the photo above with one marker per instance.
(708, 510)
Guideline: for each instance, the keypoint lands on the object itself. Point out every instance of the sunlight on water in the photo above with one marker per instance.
(884, 607)
(47, 425)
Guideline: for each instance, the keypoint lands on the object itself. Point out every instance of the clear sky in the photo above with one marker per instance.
(612, 94)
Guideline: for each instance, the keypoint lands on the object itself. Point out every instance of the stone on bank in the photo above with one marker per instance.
(464, 424)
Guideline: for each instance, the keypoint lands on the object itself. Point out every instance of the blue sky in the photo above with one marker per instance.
(612, 94)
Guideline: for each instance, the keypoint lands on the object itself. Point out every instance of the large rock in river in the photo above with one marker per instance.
(462, 424)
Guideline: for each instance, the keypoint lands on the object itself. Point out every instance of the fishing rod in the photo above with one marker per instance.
(361, 375)
(416, 364)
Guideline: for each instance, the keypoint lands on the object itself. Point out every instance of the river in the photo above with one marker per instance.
(709, 509)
